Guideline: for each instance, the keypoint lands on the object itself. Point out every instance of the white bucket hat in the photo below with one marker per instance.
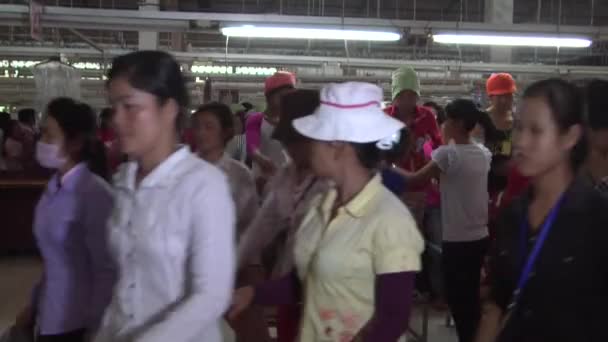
(350, 112)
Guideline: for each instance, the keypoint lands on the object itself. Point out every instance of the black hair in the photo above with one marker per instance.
(465, 111)
(222, 113)
(27, 116)
(156, 73)
(11, 126)
(294, 105)
(440, 112)
(596, 104)
(566, 104)
(78, 124)
(370, 156)
(248, 106)
(105, 116)
(5, 119)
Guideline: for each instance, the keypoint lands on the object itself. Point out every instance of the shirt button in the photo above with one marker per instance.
(132, 286)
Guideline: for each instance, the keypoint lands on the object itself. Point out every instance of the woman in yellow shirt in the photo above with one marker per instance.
(358, 248)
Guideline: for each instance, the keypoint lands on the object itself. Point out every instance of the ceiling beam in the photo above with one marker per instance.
(267, 59)
(168, 21)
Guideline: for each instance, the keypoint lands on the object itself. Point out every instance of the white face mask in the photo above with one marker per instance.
(48, 156)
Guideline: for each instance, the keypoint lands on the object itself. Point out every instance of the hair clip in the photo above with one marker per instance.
(389, 142)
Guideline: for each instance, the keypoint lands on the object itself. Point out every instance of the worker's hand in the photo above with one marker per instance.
(241, 301)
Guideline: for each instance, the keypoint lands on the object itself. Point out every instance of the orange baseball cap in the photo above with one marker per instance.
(500, 84)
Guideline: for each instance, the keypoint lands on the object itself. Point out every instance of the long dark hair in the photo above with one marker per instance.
(566, 103)
(78, 124)
(156, 73)
(294, 105)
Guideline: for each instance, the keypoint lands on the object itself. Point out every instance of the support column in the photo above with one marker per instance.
(176, 38)
(148, 40)
(499, 12)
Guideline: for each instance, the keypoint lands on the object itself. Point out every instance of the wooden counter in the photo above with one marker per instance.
(19, 195)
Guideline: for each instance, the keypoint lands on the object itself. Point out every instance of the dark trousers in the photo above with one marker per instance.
(462, 274)
(72, 336)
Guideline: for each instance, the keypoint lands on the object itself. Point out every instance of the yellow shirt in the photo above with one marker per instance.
(338, 260)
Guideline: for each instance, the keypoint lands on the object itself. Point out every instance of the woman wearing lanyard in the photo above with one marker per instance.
(70, 227)
(290, 191)
(172, 230)
(358, 248)
(548, 268)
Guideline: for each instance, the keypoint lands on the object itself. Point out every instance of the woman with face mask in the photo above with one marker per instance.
(357, 249)
(266, 153)
(70, 228)
(172, 230)
(548, 270)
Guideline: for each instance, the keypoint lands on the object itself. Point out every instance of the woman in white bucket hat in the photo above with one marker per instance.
(358, 248)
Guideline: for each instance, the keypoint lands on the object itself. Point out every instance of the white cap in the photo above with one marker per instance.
(349, 112)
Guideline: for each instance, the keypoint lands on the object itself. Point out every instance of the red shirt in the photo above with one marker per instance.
(113, 154)
(105, 135)
(188, 138)
(517, 184)
(423, 131)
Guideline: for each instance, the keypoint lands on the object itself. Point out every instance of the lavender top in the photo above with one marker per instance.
(70, 229)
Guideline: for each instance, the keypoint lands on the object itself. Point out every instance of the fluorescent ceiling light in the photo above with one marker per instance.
(504, 40)
(250, 31)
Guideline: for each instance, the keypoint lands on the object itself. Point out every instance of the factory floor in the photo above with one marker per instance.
(18, 274)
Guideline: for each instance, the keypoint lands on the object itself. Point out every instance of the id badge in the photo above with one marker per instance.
(506, 148)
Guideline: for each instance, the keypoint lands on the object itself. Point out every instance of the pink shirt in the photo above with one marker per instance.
(253, 128)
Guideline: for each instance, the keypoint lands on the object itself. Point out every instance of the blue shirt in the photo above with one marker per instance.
(70, 229)
(393, 181)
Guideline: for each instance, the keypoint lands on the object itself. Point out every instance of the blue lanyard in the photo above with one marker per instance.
(544, 232)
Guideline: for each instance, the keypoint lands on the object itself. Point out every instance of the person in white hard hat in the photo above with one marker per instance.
(358, 248)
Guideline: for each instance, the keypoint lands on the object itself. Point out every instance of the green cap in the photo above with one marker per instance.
(405, 78)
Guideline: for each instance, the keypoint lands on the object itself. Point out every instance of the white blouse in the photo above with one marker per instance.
(173, 239)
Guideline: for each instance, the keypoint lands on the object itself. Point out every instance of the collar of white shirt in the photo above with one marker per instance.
(223, 161)
(161, 176)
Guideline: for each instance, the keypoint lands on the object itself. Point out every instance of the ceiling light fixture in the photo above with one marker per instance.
(514, 40)
(250, 31)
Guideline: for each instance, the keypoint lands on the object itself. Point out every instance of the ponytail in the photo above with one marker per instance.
(94, 154)
(466, 111)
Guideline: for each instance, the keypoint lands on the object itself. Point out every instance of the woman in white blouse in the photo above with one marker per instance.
(172, 230)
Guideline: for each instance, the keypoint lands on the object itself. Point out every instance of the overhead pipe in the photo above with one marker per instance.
(320, 60)
(93, 45)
